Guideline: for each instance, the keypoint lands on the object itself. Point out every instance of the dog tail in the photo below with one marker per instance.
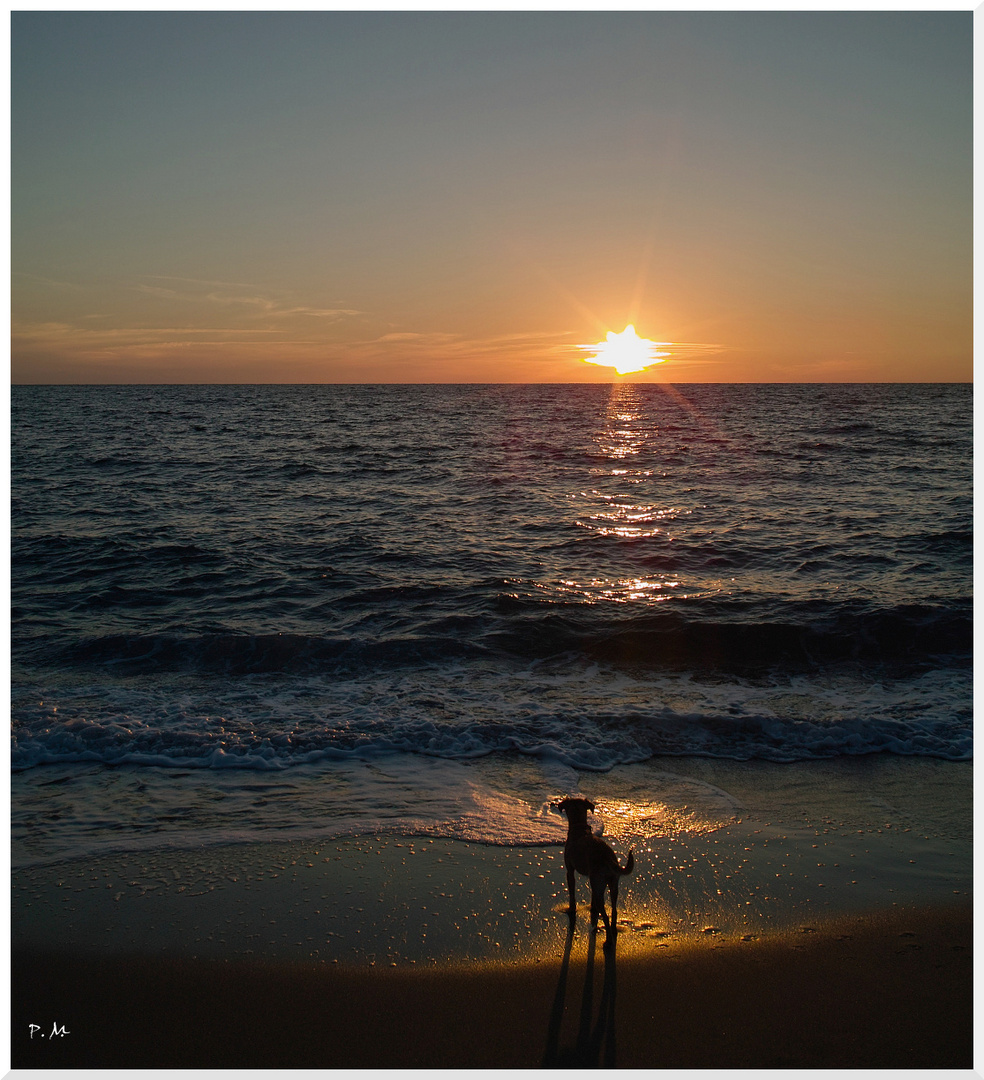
(630, 862)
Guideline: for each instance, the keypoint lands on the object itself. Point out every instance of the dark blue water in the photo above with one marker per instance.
(267, 577)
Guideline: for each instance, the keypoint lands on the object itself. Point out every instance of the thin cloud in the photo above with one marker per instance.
(410, 337)
(203, 281)
(440, 347)
(53, 282)
(51, 330)
(270, 307)
(320, 313)
(87, 344)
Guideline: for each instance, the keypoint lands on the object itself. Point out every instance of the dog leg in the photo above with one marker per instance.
(613, 928)
(572, 905)
(598, 904)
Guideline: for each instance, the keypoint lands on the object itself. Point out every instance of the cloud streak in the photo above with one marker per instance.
(223, 294)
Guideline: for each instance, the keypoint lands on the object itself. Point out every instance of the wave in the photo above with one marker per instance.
(410, 626)
(585, 716)
(251, 654)
(812, 635)
(741, 738)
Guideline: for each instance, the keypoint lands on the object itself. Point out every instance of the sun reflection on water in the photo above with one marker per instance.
(629, 429)
(614, 509)
(623, 507)
(619, 591)
(623, 820)
(627, 519)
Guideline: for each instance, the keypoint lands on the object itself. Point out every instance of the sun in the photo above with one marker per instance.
(626, 352)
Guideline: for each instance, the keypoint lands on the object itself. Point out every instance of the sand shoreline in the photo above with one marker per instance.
(885, 990)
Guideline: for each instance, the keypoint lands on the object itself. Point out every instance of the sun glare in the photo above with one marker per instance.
(626, 352)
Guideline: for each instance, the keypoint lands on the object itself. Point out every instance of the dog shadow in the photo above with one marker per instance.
(595, 1044)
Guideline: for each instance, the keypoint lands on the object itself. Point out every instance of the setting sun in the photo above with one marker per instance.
(626, 352)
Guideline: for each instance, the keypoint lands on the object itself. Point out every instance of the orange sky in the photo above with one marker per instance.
(457, 197)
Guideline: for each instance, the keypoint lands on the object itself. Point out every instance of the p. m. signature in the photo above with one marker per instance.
(55, 1030)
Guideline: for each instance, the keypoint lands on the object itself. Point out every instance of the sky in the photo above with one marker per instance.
(307, 197)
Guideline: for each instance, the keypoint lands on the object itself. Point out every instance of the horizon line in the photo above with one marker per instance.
(614, 382)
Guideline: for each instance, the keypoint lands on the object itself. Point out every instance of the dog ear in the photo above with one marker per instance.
(590, 805)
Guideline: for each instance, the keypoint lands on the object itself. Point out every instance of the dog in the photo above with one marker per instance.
(588, 854)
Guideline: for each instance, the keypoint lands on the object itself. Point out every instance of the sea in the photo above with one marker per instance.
(272, 612)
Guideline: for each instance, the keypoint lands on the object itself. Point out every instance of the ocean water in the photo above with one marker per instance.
(247, 612)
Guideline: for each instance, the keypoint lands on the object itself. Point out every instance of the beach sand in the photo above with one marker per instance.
(795, 937)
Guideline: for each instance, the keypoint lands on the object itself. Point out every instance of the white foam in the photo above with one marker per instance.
(580, 716)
